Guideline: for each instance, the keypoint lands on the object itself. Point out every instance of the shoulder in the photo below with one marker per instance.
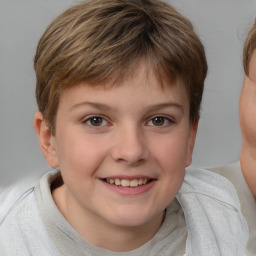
(13, 195)
(22, 229)
(247, 200)
(230, 171)
(22, 193)
(208, 184)
(209, 188)
(233, 173)
(212, 214)
(16, 212)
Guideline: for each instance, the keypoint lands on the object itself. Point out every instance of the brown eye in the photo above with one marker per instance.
(158, 120)
(95, 121)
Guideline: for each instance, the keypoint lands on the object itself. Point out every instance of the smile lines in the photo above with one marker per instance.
(128, 183)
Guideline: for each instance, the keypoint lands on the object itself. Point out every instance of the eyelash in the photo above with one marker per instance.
(166, 121)
(103, 122)
(88, 121)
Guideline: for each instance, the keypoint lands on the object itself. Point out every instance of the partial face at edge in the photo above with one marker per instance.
(132, 132)
(247, 113)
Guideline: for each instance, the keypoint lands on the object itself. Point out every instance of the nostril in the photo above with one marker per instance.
(131, 162)
(130, 147)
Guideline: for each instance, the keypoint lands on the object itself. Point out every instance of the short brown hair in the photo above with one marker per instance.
(249, 47)
(102, 40)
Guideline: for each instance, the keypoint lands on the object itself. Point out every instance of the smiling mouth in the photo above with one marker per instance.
(128, 183)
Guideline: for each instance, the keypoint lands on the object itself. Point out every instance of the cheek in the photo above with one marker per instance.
(247, 122)
(80, 154)
(80, 158)
(171, 158)
(171, 153)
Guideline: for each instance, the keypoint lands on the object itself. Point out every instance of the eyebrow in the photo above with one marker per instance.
(152, 108)
(99, 106)
(166, 105)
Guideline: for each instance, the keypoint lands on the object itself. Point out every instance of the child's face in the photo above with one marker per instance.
(247, 112)
(130, 134)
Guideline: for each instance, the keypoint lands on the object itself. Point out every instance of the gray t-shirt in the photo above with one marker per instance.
(36, 227)
(31, 224)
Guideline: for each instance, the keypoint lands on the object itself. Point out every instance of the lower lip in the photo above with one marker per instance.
(130, 191)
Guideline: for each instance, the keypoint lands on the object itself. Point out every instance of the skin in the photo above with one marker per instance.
(247, 113)
(136, 137)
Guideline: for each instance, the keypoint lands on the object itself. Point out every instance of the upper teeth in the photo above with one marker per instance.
(128, 183)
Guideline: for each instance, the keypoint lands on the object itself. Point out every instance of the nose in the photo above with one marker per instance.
(130, 146)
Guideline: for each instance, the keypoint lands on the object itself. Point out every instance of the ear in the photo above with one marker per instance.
(191, 142)
(46, 140)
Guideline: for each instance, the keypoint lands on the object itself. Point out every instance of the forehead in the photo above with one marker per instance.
(142, 87)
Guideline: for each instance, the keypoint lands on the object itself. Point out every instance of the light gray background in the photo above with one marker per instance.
(221, 24)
